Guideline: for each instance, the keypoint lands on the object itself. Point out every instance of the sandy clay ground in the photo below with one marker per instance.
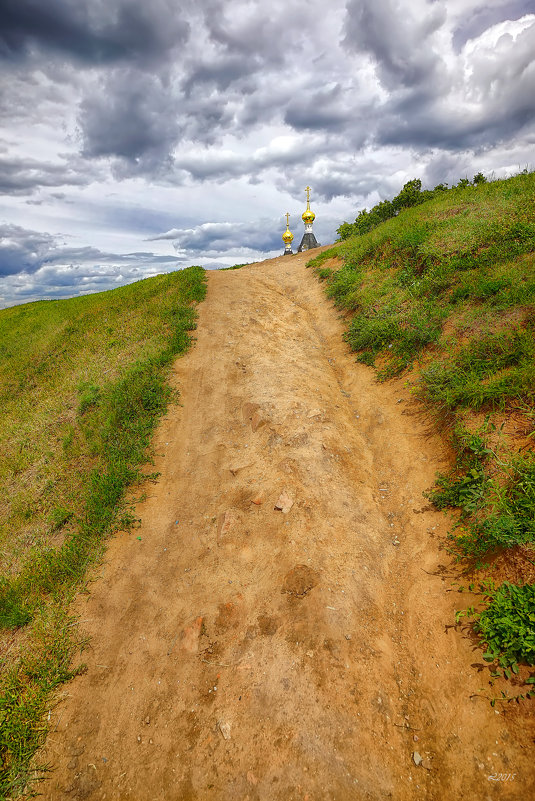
(280, 627)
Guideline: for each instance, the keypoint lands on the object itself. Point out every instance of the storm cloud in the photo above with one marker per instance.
(21, 176)
(97, 32)
(124, 120)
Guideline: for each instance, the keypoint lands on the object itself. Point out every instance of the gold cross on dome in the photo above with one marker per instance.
(287, 219)
(308, 194)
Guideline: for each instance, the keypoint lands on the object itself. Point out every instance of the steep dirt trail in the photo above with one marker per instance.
(240, 651)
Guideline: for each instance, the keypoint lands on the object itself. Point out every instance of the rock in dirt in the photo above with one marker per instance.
(226, 522)
(189, 637)
(257, 421)
(224, 728)
(285, 503)
(416, 758)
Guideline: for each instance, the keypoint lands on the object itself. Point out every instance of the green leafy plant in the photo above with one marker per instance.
(507, 625)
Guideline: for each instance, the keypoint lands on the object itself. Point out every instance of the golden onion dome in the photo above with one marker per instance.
(308, 216)
(287, 237)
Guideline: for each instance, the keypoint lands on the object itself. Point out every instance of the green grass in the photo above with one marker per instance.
(84, 385)
(457, 250)
(235, 266)
(444, 293)
(322, 257)
(323, 273)
(485, 373)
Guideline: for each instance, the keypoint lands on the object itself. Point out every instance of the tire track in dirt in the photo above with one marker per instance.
(279, 630)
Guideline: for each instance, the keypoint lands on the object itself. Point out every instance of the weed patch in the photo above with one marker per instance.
(506, 626)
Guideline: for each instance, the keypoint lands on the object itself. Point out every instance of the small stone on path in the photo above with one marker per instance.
(224, 728)
(285, 503)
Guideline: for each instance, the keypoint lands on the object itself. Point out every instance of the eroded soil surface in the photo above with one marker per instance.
(280, 626)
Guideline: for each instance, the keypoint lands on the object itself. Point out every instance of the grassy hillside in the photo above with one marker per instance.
(82, 385)
(443, 295)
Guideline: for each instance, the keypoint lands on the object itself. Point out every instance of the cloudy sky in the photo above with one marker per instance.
(138, 138)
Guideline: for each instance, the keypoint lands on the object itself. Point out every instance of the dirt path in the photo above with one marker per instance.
(240, 651)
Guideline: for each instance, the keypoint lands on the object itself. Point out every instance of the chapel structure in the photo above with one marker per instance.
(309, 240)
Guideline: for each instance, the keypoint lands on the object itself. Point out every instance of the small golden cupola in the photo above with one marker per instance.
(308, 216)
(287, 237)
(309, 240)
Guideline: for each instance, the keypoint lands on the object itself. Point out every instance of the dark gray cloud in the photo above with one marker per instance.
(499, 103)
(71, 280)
(94, 256)
(222, 238)
(435, 99)
(264, 32)
(397, 38)
(448, 168)
(22, 250)
(221, 72)
(130, 116)
(26, 251)
(22, 176)
(225, 83)
(97, 32)
(324, 109)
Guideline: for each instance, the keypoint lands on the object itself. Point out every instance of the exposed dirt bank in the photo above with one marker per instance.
(282, 628)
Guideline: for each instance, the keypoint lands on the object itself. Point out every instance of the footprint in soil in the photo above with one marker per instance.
(85, 784)
(228, 617)
(267, 626)
(299, 581)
